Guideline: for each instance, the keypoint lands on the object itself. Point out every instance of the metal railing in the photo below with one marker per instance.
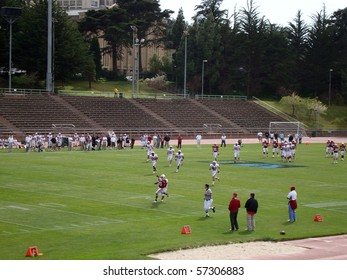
(23, 91)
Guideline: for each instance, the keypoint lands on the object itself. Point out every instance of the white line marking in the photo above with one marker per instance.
(17, 207)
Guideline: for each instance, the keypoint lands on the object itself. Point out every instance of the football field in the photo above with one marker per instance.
(98, 205)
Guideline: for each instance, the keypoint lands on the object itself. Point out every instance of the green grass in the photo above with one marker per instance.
(106, 88)
(99, 205)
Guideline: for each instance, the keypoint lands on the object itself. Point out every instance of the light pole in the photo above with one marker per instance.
(185, 33)
(138, 44)
(10, 14)
(133, 61)
(49, 76)
(202, 78)
(330, 70)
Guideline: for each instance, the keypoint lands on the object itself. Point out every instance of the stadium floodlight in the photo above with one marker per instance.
(202, 78)
(185, 33)
(134, 29)
(10, 14)
(330, 70)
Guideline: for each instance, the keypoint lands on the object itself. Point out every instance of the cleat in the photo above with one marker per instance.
(214, 209)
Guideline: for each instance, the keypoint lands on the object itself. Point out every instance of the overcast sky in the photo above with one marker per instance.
(277, 11)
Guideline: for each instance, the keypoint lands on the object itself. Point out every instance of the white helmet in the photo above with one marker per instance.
(162, 176)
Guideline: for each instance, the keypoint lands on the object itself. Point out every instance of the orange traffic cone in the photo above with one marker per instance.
(186, 230)
(318, 218)
(33, 251)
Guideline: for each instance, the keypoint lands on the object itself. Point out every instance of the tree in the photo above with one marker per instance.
(70, 51)
(293, 100)
(319, 55)
(96, 53)
(297, 36)
(175, 30)
(212, 8)
(254, 45)
(339, 81)
(111, 25)
(316, 108)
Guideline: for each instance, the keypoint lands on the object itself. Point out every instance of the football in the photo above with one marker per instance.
(282, 232)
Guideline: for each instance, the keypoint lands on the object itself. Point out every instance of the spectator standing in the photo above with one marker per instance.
(10, 142)
(167, 140)
(251, 206)
(292, 204)
(179, 141)
(234, 206)
(223, 141)
(198, 140)
(260, 136)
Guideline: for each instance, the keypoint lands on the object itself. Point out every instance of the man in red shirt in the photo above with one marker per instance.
(234, 206)
(179, 141)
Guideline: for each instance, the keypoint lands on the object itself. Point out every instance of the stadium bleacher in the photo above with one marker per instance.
(20, 114)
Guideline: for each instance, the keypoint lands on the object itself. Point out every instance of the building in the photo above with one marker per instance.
(77, 8)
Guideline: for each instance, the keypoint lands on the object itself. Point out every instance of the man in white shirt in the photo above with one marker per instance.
(198, 140)
(292, 204)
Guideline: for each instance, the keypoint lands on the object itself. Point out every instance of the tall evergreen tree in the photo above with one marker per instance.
(254, 45)
(339, 78)
(297, 34)
(319, 56)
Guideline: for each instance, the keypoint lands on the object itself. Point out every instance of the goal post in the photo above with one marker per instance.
(287, 128)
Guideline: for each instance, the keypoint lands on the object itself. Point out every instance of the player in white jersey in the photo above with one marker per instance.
(293, 149)
(27, 142)
(179, 157)
(208, 201)
(237, 149)
(215, 169)
(149, 149)
(342, 149)
(170, 152)
(154, 158)
(83, 142)
(59, 140)
(76, 140)
(49, 141)
(335, 153)
(287, 152)
(104, 142)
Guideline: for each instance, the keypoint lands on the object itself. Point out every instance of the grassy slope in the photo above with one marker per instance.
(99, 205)
(335, 118)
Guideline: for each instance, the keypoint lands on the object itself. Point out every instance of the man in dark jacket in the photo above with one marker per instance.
(251, 209)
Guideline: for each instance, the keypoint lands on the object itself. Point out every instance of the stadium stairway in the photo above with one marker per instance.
(83, 116)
